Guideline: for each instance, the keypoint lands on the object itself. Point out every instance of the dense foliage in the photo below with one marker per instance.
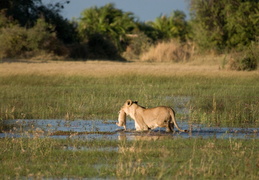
(107, 32)
(28, 28)
(225, 23)
(106, 21)
(168, 27)
(38, 40)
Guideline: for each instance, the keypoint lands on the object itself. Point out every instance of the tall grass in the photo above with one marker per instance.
(222, 100)
(171, 51)
(47, 158)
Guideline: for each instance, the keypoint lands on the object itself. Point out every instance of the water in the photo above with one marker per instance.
(98, 129)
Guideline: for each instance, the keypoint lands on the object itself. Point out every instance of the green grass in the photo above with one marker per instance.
(163, 159)
(222, 100)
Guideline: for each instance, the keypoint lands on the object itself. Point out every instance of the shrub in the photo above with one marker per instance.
(19, 42)
(239, 62)
(138, 44)
(97, 47)
(100, 47)
(12, 41)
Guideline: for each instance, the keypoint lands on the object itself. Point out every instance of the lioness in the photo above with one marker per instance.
(148, 118)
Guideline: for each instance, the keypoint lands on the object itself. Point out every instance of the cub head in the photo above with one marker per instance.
(122, 119)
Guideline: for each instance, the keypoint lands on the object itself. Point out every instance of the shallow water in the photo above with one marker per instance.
(98, 129)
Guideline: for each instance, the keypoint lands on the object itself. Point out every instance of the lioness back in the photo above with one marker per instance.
(158, 116)
(160, 111)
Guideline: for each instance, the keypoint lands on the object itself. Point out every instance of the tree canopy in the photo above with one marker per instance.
(108, 22)
(173, 26)
(221, 24)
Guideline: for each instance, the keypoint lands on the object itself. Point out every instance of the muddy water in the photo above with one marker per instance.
(98, 129)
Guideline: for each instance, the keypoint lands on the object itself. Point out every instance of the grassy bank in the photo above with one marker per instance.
(178, 158)
(210, 96)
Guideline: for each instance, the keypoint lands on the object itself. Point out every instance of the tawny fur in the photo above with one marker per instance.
(148, 118)
(122, 119)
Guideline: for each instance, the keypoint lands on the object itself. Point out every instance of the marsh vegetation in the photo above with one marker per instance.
(97, 90)
(210, 97)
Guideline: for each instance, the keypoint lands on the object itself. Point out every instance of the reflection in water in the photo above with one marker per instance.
(143, 136)
(97, 129)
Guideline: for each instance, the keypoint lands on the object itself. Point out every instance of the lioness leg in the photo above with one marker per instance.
(141, 125)
(170, 127)
(137, 127)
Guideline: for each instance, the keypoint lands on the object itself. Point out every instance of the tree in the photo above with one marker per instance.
(173, 26)
(27, 12)
(107, 21)
(224, 24)
(28, 27)
(242, 25)
(65, 30)
(23, 11)
(181, 27)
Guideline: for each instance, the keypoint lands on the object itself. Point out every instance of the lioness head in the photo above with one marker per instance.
(127, 105)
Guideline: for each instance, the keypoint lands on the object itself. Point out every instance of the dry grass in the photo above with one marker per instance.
(168, 52)
(107, 68)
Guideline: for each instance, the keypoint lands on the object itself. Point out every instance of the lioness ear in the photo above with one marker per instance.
(136, 102)
(129, 102)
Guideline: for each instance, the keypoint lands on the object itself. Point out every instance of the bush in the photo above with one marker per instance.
(97, 47)
(246, 62)
(138, 44)
(19, 42)
(100, 47)
(11, 41)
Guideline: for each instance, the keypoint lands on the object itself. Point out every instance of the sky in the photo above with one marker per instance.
(144, 10)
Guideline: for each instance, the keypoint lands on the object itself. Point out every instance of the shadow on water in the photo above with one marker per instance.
(98, 129)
